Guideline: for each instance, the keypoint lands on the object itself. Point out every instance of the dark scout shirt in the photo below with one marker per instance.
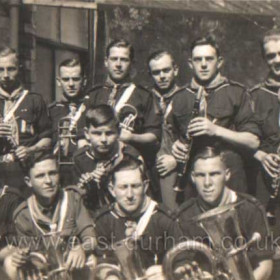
(147, 120)
(158, 237)
(228, 104)
(266, 106)
(32, 119)
(251, 218)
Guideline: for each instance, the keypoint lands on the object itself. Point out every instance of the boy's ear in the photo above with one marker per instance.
(111, 189)
(58, 81)
(106, 62)
(146, 184)
(190, 63)
(227, 174)
(27, 181)
(220, 62)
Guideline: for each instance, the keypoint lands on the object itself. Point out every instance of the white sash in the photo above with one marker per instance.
(144, 220)
(13, 109)
(55, 228)
(124, 98)
(168, 110)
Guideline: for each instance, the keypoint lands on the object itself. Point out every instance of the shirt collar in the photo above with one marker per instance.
(11, 96)
(271, 82)
(124, 84)
(215, 83)
(168, 95)
(137, 214)
(228, 196)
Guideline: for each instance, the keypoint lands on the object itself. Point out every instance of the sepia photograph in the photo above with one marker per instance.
(139, 139)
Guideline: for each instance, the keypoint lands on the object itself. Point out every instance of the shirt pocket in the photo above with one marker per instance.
(222, 115)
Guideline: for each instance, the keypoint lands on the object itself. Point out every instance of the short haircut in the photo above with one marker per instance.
(38, 157)
(6, 51)
(71, 62)
(121, 43)
(270, 35)
(101, 115)
(129, 163)
(158, 54)
(208, 152)
(207, 40)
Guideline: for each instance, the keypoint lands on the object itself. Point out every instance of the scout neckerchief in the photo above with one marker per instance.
(59, 216)
(164, 100)
(129, 89)
(218, 81)
(134, 229)
(229, 196)
(11, 103)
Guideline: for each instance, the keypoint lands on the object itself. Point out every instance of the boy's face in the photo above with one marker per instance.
(8, 71)
(44, 179)
(163, 72)
(129, 190)
(210, 176)
(272, 56)
(118, 63)
(103, 138)
(205, 63)
(70, 80)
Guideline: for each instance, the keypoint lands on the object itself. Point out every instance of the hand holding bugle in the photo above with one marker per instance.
(83, 183)
(187, 140)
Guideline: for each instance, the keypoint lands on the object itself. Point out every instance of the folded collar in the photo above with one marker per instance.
(218, 81)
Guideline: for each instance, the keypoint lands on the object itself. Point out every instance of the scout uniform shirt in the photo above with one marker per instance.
(265, 97)
(142, 100)
(30, 123)
(227, 104)
(85, 161)
(67, 217)
(251, 218)
(164, 107)
(31, 119)
(158, 237)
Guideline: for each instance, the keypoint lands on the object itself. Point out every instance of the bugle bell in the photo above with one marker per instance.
(127, 115)
(225, 259)
(67, 139)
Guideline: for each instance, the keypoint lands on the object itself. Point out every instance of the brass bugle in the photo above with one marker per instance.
(106, 164)
(129, 121)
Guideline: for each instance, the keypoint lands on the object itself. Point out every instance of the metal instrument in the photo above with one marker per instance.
(50, 264)
(67, 135)
(12, 146)
(106, 271)
(127, 115)
(86, 186)
(187, 140)
(274, 197)
(225, 260)
(10, 157)
(130, 265)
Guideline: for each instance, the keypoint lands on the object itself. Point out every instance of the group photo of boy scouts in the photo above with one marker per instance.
(123, 181)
